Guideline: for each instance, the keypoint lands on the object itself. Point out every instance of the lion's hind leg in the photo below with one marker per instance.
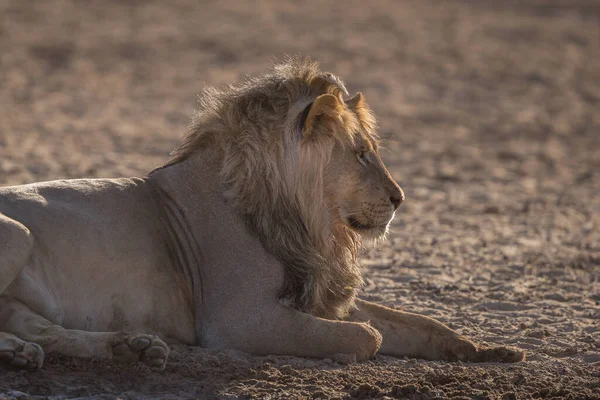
(18, 319)
(16, 245)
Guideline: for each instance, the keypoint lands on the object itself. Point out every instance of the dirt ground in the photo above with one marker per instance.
(491, 115)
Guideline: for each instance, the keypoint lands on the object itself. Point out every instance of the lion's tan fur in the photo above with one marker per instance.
(243, 240)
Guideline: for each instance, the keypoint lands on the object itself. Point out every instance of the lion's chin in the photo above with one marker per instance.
(367, 231)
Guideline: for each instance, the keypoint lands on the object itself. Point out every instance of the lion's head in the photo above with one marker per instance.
(358, 189)
(301, 165)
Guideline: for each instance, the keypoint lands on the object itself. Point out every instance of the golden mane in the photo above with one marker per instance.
(276, 181)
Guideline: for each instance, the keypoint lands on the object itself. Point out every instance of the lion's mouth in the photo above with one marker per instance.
(373, 231)
(359, 226)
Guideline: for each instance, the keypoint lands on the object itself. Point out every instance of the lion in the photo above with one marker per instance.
(247, 238)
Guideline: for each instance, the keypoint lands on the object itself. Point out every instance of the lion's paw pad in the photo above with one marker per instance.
(140, 344)
(21, 354)
(141, 347)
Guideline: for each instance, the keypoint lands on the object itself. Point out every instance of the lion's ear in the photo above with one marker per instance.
(362, 110)
(324, 111)
(355, 102)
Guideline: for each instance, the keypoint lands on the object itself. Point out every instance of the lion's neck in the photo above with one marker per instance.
(185, 192)
(320, 277)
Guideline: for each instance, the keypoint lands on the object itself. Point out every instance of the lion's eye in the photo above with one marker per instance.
(362, 157)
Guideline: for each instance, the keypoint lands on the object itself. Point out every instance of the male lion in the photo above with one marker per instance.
(247, 238)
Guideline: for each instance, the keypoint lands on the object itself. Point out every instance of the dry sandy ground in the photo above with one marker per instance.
(491, 113)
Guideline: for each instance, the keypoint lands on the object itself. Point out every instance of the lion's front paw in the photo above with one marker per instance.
(369, 342)
(499, 354)
(460, 349)
(361, 342)
(134, 347)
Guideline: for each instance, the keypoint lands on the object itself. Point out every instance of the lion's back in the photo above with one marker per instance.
(78, 207)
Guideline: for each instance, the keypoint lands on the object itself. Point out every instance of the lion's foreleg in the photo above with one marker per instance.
(21, 321)
(413, 335)
(276, 329)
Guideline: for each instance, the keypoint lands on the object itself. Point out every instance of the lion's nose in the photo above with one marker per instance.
(397, 198)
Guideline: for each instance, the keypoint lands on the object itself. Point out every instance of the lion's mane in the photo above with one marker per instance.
(276, 182)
